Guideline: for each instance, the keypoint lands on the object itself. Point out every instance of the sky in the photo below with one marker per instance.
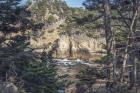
(75, 3)
(71, 3)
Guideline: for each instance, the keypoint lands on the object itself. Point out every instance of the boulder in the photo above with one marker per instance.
(8, 88)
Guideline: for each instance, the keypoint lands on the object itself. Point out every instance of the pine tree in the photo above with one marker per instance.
(8, 18)
(40, 78)
(18, 66)
(9, 14)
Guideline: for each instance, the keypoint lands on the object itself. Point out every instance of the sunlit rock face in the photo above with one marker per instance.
(64, 46)
(74, 46)
(44, 40)
(78, 46)
(46, 37)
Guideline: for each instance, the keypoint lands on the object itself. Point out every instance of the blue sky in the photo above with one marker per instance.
(75, 3)
(71, 3)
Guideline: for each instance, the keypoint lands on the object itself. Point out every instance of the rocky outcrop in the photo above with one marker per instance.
(64, 46)
(78, 46)
(8, 88)
(46, 36)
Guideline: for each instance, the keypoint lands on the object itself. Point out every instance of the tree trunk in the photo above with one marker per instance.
(135, 71)
(130, 42)
(109, 34)
(70, 48)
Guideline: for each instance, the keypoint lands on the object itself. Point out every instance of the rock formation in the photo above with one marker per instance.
(8, 88)
(74, 46)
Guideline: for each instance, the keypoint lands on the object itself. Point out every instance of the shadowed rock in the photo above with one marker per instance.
(8, 88)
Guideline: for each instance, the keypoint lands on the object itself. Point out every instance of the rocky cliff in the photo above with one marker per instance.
(74, 46)
(59, 34)
(78, 46)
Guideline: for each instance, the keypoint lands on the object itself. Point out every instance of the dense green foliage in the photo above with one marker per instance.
(39, 78)
(81, 21)
(29, 72)
(89, 75)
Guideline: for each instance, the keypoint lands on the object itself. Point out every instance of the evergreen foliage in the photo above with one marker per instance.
(18, 64)
(44, 9)
(39, 77)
